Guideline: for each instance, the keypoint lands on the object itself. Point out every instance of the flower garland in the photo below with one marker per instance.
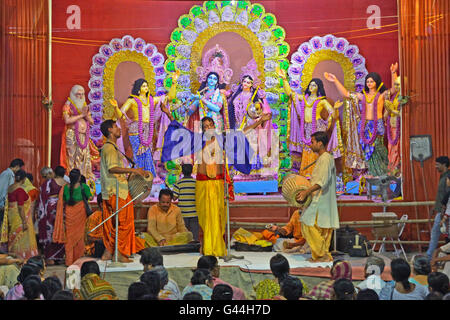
(394, 141)
(76, 112)
(313, 120)
(145, 143)
(371, 140)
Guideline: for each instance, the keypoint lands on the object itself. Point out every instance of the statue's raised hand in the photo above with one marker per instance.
(329, 76)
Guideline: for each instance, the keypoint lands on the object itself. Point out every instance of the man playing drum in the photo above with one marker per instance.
(112, 170)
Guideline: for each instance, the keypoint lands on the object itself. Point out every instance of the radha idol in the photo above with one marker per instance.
(246, 104)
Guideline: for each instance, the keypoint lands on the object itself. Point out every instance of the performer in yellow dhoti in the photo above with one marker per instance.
(321, 216)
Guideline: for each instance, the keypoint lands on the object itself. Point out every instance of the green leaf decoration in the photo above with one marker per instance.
(269, 20)
(257, 10)
(197, 11)
(176, 36)
(226, 3)
(283, 49)
(171, 66)
(168, 82)
(171, 51)
(278, 33)
(242, 4)
(185, 22)
(210, 5)
(284, 65)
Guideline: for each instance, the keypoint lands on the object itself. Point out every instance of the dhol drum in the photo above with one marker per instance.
(137, 184)
(291, 186)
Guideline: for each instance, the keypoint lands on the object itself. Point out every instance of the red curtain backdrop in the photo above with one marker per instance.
(23, 74)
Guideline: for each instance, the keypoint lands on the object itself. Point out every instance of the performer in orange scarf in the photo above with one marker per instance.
(112, 170)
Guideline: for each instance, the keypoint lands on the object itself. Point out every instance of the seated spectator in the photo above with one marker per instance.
(32, 288)
(401, 288)
(438, 282)
(150, 258)
(50, 286)
(434, 295)
(373, 269)
(137, 290)
(94, 246)
(9, 270)
(343, 289)
(38, 262)
(291, 239)
(164, 294)
(291, 288)
(222, 292)
(269, 288)
(16, 292)
(367, 294)
(421, 268)
(93, 287)
(192, 296)
(202, 283)
(165, 224)
(212, 264)
(63, 295)
(324, 290)
(152, 280)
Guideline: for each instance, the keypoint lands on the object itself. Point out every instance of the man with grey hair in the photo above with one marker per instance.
(47, 173)
(76, 144)
(372, 270)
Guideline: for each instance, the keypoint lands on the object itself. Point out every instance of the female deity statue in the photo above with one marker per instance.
(311, 112)
(141, 113)
(392, 116)
(371, 126)
(214, 75)
(246, 105)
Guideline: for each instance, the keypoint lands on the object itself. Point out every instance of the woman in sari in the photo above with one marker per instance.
(324, 290)
(53, 252)
(71, 217)
(17, 228)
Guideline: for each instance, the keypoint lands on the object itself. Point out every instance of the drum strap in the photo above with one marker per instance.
(128, 159)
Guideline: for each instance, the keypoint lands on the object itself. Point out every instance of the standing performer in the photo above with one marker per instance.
(211, 172)
(112, 170)
(311, 112)
(77, 149)
(141, 112)
(321, 216)
(371, 126)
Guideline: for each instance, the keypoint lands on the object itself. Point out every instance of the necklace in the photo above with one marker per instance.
(374, 99)
(75, 111)
(314, 104)
(149, 140)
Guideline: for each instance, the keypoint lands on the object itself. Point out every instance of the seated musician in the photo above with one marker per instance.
(94, 246)
(295, 244)
(165, 225)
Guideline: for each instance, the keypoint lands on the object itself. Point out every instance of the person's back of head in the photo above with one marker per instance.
(291, 288)
(434, 295)
(279, 266)
(200, 276)
(343, 289)
(186, 168)
(137, 289)
(163, 275)
(30, 177)
(374, 265)
(152, 280)
(367, 294)
(148, 296)
(192, 296)
(17, 163)
(222, 292)
(89, 267)
(443, 160)
(421, 265)
(438, 282)
(63, 295)
(32, 287)
(60, 171)
(400, 271)
(37, 261)
(51, 285)
(207, 262)
(46, 172)
(151, 257)
(27, 270)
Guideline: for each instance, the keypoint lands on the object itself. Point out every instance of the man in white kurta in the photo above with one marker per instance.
(321, 216)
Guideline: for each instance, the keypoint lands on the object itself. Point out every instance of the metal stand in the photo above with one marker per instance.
(115, 262)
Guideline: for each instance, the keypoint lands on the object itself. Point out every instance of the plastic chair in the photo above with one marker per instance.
(401, 226)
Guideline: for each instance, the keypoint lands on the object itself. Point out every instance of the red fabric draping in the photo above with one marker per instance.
(23, 74)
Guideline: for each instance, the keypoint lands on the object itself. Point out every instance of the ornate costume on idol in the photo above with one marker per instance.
(77, 149)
